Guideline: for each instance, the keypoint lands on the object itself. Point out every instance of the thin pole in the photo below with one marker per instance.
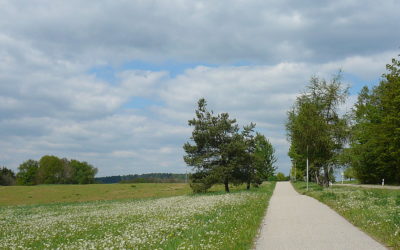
(294, 171)
(307, 167)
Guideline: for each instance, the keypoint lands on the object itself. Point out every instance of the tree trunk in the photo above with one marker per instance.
(248, 185)
(226, 186)
(317, 178)
(326, 176)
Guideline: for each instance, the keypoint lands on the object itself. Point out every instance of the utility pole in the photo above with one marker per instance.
(307, 167)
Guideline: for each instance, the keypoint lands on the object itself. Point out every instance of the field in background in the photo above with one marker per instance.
(208, 221)
(376, 211)
(43, 194)
(348, 182)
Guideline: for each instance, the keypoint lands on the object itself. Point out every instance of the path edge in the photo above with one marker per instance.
(371, 236)
(256, 238)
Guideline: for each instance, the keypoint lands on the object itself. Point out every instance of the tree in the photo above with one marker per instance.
(281, 177)
(244, 155)
(375, 137)
(27, 173)
(349, 173)
(297, 174)
(264, 159)
(212, 155)
(82, 172)
(220, 153)
(316, 130)
(7, 177)
(50, 170)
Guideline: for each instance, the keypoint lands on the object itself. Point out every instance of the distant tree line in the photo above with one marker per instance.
(366, 140)
(143, 178)
(50, 170)
(221, 153)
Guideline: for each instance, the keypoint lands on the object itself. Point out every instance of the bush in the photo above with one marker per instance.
(281, 177)
(7, 177)
(199, 187)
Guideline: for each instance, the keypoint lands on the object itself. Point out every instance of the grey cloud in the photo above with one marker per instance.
(208, 31)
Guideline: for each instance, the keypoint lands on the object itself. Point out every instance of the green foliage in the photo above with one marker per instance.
(222, 154)
(375, 140)
(397, 200)
(264, 159)
(53, 170)
(316, 130)
(7, 177)
(82, 172)
(281, 177)
(50, 170)
(349, 173)
(212, 154)
(199, 187)
(27, 173)
(297, 174)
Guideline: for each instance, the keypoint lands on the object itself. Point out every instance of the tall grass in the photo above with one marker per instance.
(375, 211)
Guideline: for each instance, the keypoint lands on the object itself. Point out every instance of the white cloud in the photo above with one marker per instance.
(51, 101)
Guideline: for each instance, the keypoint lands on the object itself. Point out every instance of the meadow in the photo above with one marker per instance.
(375, 211)
(215, 220)
(43, 194)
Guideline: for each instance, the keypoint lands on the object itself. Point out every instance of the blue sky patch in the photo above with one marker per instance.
(141, 103)
(357, 83)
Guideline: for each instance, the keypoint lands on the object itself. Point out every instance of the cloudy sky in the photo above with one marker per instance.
(114, 82)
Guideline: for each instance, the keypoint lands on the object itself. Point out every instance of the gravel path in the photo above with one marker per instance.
(295, 221)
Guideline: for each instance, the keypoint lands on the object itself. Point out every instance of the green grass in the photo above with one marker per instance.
(375, 211)
(348, 182)
(42, 194)
(209, 221)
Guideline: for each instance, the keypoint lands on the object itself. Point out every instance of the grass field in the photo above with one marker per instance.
(42, 194)
(348, 182)
(375, 211)
(211, 221)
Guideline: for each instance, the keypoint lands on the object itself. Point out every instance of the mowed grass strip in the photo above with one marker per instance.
(375, 211)
(210, 221)
(42, 194)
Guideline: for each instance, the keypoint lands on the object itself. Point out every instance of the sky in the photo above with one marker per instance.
(115, 82)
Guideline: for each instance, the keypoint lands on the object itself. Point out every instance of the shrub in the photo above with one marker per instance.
(199, 187)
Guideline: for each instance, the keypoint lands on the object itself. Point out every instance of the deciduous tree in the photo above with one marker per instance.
(7, 177)
(316, 129)
(27, 173)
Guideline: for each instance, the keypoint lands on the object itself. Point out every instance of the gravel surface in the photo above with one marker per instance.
(295, 221)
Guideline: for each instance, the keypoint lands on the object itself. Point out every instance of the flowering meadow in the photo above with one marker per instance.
(375, 211)
(210, 221)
